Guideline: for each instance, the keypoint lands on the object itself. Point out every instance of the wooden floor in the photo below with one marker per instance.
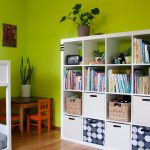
(47, 141)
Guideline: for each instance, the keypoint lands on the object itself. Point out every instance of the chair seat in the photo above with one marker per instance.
(15, 117)
(36, 117)
(2, 117)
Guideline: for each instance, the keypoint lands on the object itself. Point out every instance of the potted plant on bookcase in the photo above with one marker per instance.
(99, 57)
(127, 55)
(81, 18)
(26, 71)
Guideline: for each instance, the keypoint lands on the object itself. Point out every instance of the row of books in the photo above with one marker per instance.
(73, 79)
(141, 82)
(94, 80)
(141, 51)
(119, 83)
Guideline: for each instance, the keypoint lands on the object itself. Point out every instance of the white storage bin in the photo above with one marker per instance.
(117, 136)
(93, 105)
(141, 110)
(72, 127)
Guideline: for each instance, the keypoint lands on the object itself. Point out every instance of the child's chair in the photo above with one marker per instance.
(15, 119)
(43, 114)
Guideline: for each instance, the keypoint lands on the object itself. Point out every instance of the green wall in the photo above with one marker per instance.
(13, 12)
(39, 34)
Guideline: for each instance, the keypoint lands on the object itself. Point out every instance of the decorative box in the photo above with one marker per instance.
(140, 138)
(93, 131)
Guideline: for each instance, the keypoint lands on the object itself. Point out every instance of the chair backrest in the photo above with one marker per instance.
(2, 106)
(43, 107)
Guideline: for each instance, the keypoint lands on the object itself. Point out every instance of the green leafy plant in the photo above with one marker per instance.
(97, 53)
(80, 17)
(26, 71)
(127, 52)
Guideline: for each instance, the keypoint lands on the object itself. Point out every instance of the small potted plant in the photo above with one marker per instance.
(127, 55)
(81, 18)
(99, 57)
(26, 71)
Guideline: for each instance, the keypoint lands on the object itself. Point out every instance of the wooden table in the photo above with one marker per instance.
(23, 103)
(26, 102)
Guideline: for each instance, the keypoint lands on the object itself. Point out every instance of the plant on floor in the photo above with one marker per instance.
(26, 71)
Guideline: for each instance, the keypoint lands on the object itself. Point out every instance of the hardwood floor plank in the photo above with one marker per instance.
(45, 141)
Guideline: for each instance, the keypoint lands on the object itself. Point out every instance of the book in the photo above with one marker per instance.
(138, 47)
(134, 50)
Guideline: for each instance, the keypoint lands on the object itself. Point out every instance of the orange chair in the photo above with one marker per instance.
(43, 114)
(15, 119)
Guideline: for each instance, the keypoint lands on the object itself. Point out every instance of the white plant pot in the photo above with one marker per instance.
(25, 90)
(98, 60)
(128, 59)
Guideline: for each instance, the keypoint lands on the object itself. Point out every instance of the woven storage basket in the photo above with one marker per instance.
(73, 105)
(120, 111)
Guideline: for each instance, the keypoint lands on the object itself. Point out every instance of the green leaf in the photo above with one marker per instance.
(86, 20)
(63, 19)
(75, 12)
(91, 17)
(74, 18)
(95, 11)
(77, 6)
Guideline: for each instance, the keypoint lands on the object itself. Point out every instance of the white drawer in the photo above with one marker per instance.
(72, 127)
(141, 110)
(118, 136)
(93, 105)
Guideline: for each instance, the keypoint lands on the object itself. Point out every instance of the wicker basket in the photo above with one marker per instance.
(73, 105)
(119, 111)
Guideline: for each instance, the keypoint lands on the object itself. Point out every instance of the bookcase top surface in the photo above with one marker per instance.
(109, 35)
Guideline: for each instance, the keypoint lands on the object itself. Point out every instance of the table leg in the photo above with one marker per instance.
(21, 120)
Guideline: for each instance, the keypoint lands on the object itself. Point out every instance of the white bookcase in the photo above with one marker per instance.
(5, 82)
(102, 83)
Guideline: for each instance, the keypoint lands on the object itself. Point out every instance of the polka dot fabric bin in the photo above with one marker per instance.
(140, 138)
(93, 131)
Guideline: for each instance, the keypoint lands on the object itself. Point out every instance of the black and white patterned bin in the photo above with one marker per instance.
(140, 138)
(93, 131)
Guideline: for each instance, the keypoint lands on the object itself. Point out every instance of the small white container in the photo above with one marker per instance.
(25, 90)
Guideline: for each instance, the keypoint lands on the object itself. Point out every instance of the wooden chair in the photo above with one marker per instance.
(15, 119)
(43, 114)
